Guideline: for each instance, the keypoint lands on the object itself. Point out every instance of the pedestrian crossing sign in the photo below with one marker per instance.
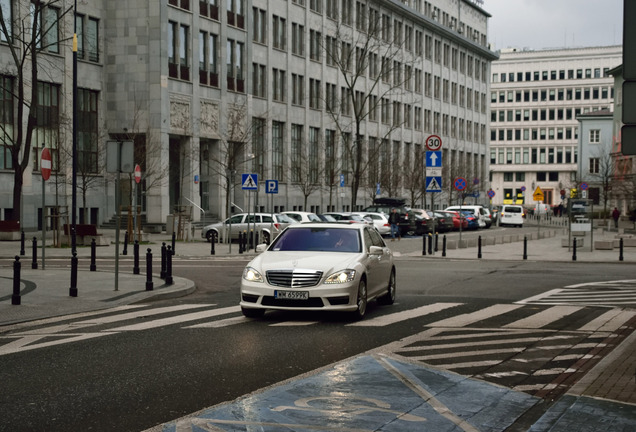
(433, 184)
(249, 181)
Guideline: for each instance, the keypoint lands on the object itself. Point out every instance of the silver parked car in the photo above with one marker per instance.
(270, 226)
(379, 220)
(322, 266)
(302, 216)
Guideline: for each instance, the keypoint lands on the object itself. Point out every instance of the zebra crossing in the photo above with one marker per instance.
(609, 294)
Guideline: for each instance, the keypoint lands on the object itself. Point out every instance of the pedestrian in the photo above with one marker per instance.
(394, 221)
(615, 215)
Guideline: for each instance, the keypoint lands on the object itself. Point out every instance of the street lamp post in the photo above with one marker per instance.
(73, 288)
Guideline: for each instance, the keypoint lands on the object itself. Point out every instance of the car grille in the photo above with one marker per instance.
(293, 278)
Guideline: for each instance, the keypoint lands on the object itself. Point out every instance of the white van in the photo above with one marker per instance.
(511, 215)
(477, 210)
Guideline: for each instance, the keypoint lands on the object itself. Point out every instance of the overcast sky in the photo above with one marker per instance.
(538, 24)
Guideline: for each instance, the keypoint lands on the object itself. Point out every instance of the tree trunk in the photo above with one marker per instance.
(17, 190)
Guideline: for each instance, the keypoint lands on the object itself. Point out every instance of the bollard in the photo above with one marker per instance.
(436, 241)
(169, 280)
(22, 252)
(525, 247)
(15, 298)
(424, 244)
(212, 241)
(162, 273)
(444, 245)
(479, 247)
(136, 257)
(34, 264)
(125, 251)
(73, 289)
(430, 244)
(240, 243)
(256, 238)
(149, 284)
(93, 253)
(574, 249)
(250, 241)
(620, 249)
(174, 240)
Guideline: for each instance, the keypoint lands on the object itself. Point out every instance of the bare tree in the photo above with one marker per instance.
(306, 174)
(604, 174)
(27, 37)
(414, 181)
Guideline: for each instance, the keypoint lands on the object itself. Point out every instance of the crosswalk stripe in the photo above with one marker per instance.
(477, 343)
(178, 319)
(404, 315)
(545, 317)
(610, 321)
(454, 355)
(293, 323)
(221, 323)
(471, 318)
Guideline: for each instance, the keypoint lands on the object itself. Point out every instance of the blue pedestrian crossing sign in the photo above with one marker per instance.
(249, 181)
(433, 184)
(271, 186)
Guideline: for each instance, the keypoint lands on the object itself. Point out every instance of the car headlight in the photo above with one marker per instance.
(252, 275)
(341, 277)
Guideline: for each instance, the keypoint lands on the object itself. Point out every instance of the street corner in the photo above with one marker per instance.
(369, 393)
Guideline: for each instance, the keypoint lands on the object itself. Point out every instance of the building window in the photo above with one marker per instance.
(278, 133)
(235, 13)
(87, 136)
(314, 93)
(46, 131)
(595, 136)
(208, 58)
(259, 80)
(298, 89)
(47, 28)
(314, 146)
(315, 42)
(296, 152)
(7, 13)
(235, 68)
(315, 5)
(279, 32)
(87, 38)
(259, 27)
(7, 121)
(278, 85)
(332, 9)
(595, 167)
(183, 4)
(298, 40)
(178, 46)
(209, 8)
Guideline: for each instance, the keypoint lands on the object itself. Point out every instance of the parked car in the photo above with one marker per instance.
(444, 221)
(407, 224)
(488, 218)
(457, 220)
(472, 223)
(301, 216)
(320, 267)
(379, 220)
(424, 221)
(478, 211)
(511, 215)
(326, 218)
(270, 226)
(347, 218)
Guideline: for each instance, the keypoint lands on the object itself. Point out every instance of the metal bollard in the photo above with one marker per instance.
(73, 289)
(620, 249)
(136, 257)
(22, 252)
(574, 249)
(444, 245)
(149, 284)
(436, 241)
(125, 251)
(423, 244)
(174, 240)
(34, 264)
(479, 247)
(93, 254)
(15, 298)
(169, 280)
(430, 244)
(162, 273)
(525, 247)
(212, 241)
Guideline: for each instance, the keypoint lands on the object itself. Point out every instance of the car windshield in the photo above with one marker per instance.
(319, 240)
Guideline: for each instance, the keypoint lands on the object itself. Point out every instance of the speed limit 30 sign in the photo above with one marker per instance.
(433, 143)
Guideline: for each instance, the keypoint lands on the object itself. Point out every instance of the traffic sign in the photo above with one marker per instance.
(583, 186)
(433, 184)
(433, 159)
(433, 143)
(271, 186)
(538, 194)
(460, 183)
(137, 173)
(45, 164)
(491, 193)
(342, 180)
(523, 188)
(249, 181)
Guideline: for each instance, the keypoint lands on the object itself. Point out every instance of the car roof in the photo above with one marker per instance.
(329, 225)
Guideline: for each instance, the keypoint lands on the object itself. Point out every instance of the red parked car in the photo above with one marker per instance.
(456, 219)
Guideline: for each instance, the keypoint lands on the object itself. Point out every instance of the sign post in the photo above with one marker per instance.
(137, 180)
(45, 168)
(271, 187)
(460, 186)
(249, 182)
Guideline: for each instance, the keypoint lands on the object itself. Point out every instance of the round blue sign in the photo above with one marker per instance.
(491, 193)
(583, 186)
(460, 183)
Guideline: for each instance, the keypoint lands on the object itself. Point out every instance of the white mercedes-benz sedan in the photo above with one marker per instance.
(320, 266)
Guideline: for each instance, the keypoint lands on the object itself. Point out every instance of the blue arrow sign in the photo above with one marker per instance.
(433, 184)
(271, 186)
(433, 159)
(342, 180)
(249, 181)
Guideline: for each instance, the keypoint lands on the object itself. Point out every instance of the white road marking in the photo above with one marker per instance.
(385, 320)
(471, 318)
(543, 318)
(177, 319)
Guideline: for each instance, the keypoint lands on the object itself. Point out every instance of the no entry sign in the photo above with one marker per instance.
(45, 164)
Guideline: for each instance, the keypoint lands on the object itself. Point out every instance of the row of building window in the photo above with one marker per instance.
(533, 155)
(563, 74)
(551, 95)
(568, 134)
(526, 115)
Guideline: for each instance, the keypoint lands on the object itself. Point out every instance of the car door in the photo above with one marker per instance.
(379, 266)
(236, 222)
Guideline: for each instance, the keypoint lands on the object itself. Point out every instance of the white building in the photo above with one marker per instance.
(536, 97)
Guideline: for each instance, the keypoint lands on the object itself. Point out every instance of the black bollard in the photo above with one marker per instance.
(430, 244)
(620, 249)
(240, 243)
(444, 245)
(34, 264)
(162, 273)
(169, 280)
(93, 255)
(125, 251)
(136, 257)
(212, 241)
(250, 241)
(479, 247)
(436, 241)
(22, 252)
(149, 284)
(574, 249)
(525, 247)
(73, 290)
(174, 240)
(15, 298)
(423, 244)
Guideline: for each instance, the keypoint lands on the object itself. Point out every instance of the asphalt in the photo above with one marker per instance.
(608, 390)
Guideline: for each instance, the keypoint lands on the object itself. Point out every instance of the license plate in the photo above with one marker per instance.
(291, 295)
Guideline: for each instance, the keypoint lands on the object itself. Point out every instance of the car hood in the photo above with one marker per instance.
(327, 262)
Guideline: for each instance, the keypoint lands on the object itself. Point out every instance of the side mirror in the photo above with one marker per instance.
(376, 250)
(261, 247)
